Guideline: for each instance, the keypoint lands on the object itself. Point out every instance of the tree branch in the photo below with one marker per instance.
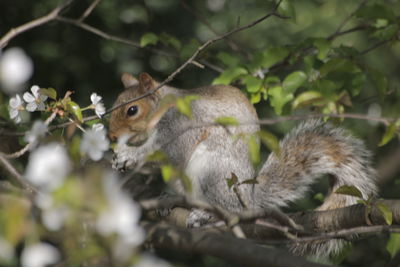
(33, 24)
(89, 10)
(198, 51)
(238, 251)
(17, 176)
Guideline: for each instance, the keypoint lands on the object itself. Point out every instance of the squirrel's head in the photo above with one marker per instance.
(132, 119)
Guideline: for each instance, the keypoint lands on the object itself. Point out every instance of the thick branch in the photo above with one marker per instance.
(238, 251)
(319, 225)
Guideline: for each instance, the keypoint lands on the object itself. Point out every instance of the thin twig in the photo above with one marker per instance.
(197, 52)
(33, 24)
(339, 234)
(89, 10)
(346, 20)
(373, 47)
(231, 43)
(28, 146)
(107, 36)
(14, 173)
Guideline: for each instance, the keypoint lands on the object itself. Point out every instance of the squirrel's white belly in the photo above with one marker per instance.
(197, 166)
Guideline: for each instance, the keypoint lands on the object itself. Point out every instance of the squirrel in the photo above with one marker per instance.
(209, 155)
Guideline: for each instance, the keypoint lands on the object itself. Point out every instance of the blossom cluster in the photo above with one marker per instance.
(34, 101)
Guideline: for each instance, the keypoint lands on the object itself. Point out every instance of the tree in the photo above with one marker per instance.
(294, 59)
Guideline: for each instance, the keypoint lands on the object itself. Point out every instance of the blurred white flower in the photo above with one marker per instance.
(15, 69)
(39, 255)
(6, 250)
(53, 218)
(120, 217)
(38, 130)
(148, 260)
(97, 104)
(95, 142)
(47, 167)
(15, 106)
(98, 127)
(35, 101)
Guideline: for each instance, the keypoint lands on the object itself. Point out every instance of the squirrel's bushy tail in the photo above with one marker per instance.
(312, 149)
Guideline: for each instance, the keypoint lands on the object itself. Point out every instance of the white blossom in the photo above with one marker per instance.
(120, 217)
(97, 104)
(16, 105)
(95, 142)
(148, 260)
(35, 101)
(98, 127)
(54, 217)
(39, 255)
(38, 130)
(47, 167)
(6, 250)
(15, 69)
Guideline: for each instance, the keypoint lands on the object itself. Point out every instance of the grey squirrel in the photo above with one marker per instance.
(209, 155)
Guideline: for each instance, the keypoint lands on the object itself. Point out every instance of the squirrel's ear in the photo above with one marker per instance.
(146, 82)
(128, 80)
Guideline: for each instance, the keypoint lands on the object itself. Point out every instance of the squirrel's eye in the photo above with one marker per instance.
(132, 111)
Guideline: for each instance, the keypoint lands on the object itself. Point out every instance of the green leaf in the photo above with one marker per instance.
(75, 110)
(323, 47)
(232, 181)
(229, 75)
(50, 92)
(381, 23)
(379, 80)
(167, 172)
(287, 9)
(254, 150)
(279, 98)
(389, 134)
(273, 55)
(188, 49)
(170, 40)
(228, 59)
(349, 190)
(320, 197)
(270, 141)
(294, 81)
(386, 33)
(357, 83)
(327, 88)
(255, 98)
(183, 105)
(187, 183)
(346, 51)
(226, 121)
(376, 11)
(306, 98)
(338, 65)
(148, 39)
(386, 213)
(393, 244)
(157, 156)
(252, 83)
(250, 181)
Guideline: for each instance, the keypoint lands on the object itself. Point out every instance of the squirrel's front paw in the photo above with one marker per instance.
(124, 158)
